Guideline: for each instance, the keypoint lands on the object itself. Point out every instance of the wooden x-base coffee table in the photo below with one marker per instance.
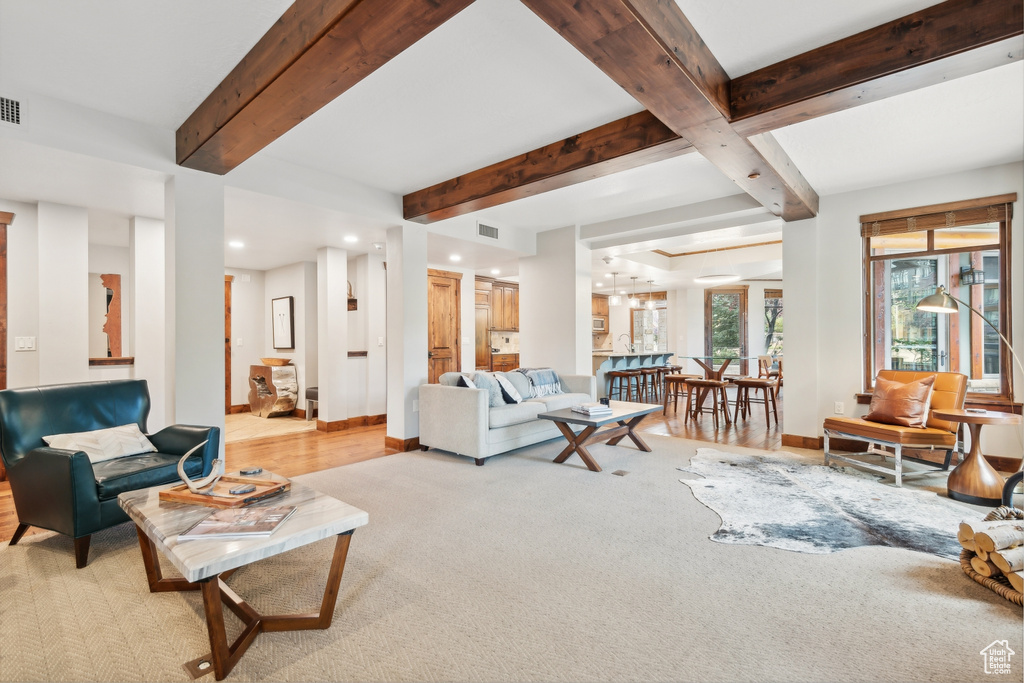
(627, 415)
(206, 564)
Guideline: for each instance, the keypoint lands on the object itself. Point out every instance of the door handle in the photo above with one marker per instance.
(430, 354)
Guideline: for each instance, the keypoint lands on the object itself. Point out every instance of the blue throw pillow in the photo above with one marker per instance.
(486, 381)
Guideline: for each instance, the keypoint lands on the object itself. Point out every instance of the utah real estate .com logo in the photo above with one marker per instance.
(997, 657)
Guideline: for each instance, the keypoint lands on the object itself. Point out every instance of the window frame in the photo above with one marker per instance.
(928, 219)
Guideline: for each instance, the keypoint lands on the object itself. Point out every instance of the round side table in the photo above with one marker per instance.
(974, 480)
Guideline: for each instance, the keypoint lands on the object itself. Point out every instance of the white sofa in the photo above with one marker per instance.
(461, 420)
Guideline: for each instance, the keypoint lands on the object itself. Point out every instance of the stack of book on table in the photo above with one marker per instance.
(592, 409)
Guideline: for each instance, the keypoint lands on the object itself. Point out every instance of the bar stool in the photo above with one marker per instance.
(768, 386)
(663, 372)
(615, 382)
(650, 385)
(674, 385)
(703, 387)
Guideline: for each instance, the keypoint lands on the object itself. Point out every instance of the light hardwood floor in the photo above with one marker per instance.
(312, 451)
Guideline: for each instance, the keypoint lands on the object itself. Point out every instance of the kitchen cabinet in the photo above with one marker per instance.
(504, 362)
(505, 306)
(599, 306)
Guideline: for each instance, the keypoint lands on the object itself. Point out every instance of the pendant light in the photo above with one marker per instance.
(715, 278)
(614, 299)
(650, 296)
(633, 301)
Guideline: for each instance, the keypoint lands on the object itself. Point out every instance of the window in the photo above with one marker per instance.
(773, 322)
(649, 327)
(725, 325)
(908, 254)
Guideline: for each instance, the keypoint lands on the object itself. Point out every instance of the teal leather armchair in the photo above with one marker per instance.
(62, 490)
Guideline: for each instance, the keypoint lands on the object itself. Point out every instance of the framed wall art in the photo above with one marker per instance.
(282, 313)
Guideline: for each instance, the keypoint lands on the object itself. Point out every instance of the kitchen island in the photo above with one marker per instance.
(610, 360)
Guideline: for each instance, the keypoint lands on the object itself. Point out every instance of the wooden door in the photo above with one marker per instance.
(443, 328)
(227, 343)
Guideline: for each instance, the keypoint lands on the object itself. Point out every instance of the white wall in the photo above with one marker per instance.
(555, 305)
(290, 280)
(63, 340)
(248, 329)
(828, 263)
(22, 292)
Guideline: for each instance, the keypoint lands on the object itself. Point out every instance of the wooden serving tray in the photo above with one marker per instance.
(265, 488)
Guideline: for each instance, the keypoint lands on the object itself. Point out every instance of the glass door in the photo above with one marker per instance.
(725, 326)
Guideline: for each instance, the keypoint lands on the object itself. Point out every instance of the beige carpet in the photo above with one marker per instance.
(521, 570)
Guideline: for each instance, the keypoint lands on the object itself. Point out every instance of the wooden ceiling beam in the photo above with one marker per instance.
(945, 41)
(317, 50)
(953, 39)
(627, 143)
(653, 52)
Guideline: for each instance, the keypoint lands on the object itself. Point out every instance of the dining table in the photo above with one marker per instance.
(707, 363)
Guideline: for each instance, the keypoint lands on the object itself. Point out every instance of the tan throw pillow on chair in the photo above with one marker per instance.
(896, 403)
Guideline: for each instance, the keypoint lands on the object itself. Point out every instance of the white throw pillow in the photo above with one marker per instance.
(507, 390)
(104, 444)
(465, 382)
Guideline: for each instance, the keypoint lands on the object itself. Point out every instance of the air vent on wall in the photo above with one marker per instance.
(486, 231)
(10, 111)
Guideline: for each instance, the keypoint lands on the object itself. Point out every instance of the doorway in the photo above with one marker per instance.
(444, 289)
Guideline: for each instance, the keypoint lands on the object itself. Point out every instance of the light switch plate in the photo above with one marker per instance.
(24, 343)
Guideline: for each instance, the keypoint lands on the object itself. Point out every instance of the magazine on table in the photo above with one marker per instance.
(238, 523)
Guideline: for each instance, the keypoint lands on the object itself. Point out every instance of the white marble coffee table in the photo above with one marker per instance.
(205, 564)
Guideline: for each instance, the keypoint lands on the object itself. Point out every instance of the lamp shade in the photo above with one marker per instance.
(939, 302)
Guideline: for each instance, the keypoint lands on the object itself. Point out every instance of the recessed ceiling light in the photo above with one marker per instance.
(607, 274)
(351, 239)
(236, 244)
(455, 258)
(495, 271)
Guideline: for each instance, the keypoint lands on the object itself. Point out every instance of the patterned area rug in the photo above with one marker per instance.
(782, 503)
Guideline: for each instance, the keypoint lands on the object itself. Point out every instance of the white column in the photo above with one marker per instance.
(555, 315)
(194, 214)
(311, 332)
(332, 326)
(406, 327)
(147, 292)
(374, 299)
(63, 341)
(800, 394)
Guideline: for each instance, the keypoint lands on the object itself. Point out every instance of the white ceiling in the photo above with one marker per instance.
(493, 82)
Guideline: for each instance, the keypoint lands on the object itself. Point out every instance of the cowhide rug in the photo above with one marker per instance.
(783, 503)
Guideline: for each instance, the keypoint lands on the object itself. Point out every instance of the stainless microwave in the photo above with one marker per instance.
(599, 325)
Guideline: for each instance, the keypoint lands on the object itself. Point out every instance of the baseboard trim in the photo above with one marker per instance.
(234, 410)
(797, 441)
(401, 445)
(351, 423)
